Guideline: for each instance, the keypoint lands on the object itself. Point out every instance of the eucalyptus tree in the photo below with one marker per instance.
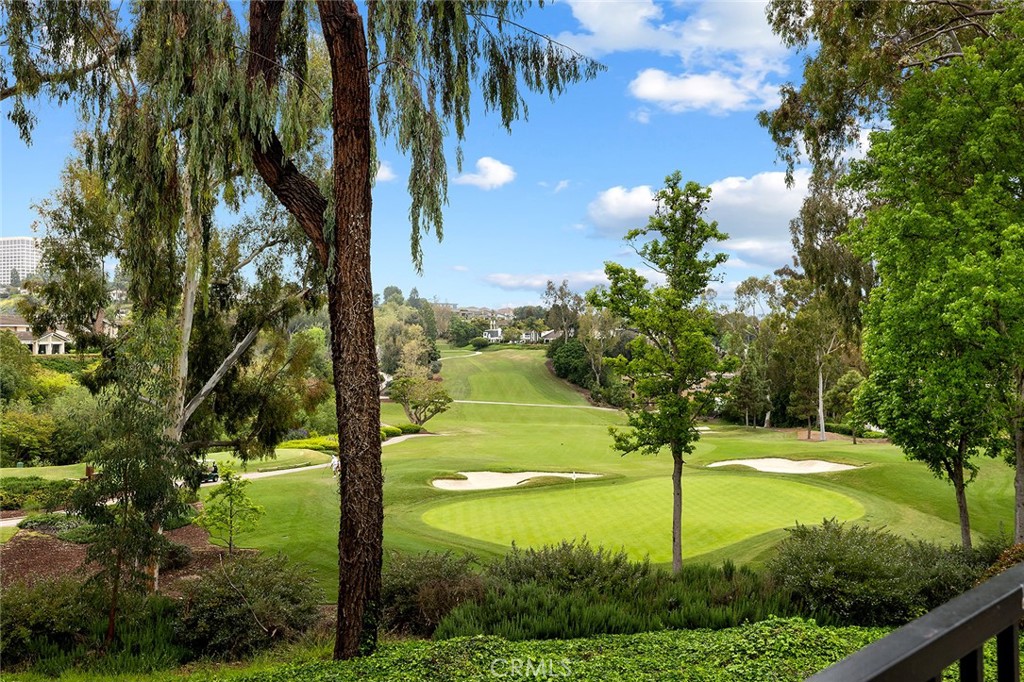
(673, 356)
(407, 75)
(863, 51)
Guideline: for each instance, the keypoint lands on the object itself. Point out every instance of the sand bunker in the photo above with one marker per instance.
(778, 465)
(489, 480)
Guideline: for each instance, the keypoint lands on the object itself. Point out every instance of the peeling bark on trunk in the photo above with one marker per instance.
(353, 351)
(677, 509)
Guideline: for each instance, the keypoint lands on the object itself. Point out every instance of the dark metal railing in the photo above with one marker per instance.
(955, 632)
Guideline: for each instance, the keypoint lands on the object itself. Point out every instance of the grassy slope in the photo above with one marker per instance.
(733, 513)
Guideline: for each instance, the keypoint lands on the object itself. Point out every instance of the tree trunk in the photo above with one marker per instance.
(677, 509)
(1017, 429)
(821, 402)
(960, 487)
(808, 428)
(112, 608)
(746, 417)
(353, 351)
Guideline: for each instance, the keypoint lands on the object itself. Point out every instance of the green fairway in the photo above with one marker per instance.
(52, 473)
(735, 512)
(284, 458)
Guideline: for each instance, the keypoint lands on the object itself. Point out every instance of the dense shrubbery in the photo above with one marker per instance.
(71, 363)
(58, 625)
(319, 443)
(864, 576)
(569, 590)
(59, 429)
(390, 431)
(418, 591)
(34, 493)
(479, 342)
(847, 430)
(246, 605)
(569, 361)
(407, 429)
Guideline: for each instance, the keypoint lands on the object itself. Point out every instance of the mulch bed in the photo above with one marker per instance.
(30, 557)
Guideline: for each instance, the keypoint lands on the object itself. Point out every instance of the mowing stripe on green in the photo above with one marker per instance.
(718, 510)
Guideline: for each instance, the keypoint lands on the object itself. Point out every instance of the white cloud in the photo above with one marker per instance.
(759, 206)
(729, 55)
(618, 209)
(460, 268)
(562, 184)
(578, 281)
(715, 91)
(385, 173)
(490, 174)
(755, 212)
(769, 252)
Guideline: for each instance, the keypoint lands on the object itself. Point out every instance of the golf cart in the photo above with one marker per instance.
(208, 472)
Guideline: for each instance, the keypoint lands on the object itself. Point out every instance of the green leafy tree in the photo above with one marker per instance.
(597, 333)
(564, 308)
(228, 510)
(840, 401)
(858, 67)
(17, 370)
(141, 466)
(422, 399)
(945, 232)
(427, 60)
(673, 356)
(461, 332)
(15, 280)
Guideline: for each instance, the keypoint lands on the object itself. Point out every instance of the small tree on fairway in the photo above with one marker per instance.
(421, 398)
(228, 510)
(673, 354)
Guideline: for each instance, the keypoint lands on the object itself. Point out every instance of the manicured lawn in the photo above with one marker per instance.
(735, 513)
(7, 532)
(722, 509)
(53, 473)
(284, 458)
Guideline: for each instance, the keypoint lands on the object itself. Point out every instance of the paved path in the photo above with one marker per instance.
(252, 475)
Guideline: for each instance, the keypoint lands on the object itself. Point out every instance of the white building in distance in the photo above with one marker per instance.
(19, 253)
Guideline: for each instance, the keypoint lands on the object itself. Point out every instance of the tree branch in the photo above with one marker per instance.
(227, 364)
(299, 194)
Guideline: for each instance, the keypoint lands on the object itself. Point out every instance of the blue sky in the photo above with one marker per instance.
(551, 200)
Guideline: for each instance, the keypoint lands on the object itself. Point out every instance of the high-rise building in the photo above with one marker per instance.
(18, 253)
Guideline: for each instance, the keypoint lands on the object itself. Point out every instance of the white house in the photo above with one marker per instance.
(493, 335)
(530, 336)
(53, 342)
(550, 335)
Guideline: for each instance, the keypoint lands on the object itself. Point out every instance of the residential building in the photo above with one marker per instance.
(529, 336)
(53, 342)
(493, 335)
(19, 253)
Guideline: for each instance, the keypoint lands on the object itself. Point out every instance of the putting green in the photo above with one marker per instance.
(718, 510)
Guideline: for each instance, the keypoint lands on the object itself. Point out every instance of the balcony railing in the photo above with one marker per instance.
(954, 633)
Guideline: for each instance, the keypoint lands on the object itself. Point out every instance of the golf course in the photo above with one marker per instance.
(511, 414)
